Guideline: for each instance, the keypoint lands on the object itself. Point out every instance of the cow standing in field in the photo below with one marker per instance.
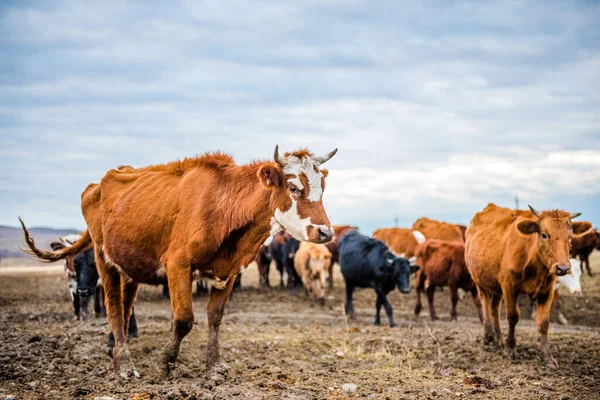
(204, 214)
(283, 248)
(433, 229)
(583, 245)
(442, 263)
(399, 240)
(263, 261)
(312, 262)
(510, 252)
(572, 281)
(367, 262)
(334, 249)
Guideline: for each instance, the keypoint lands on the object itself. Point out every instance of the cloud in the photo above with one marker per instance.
(437, 108)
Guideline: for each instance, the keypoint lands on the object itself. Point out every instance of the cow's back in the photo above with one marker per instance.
(433, 229)
(399, 240)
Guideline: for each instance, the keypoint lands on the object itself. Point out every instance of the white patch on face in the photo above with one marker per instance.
(296, 182)
(291, 221)
(306, 166)
(572, 281)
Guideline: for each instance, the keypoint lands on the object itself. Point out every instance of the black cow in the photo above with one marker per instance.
(282, 249)
(367, 262)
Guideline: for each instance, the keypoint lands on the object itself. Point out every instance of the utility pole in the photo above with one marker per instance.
(517, 202)
(396, 221)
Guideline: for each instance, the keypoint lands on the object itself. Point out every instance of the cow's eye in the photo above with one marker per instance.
(293, 189)
(545, 236)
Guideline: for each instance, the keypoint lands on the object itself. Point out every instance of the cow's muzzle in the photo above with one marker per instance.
(562, 270)
(84, 292)
(319, 233)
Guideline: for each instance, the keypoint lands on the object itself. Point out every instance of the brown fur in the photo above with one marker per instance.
(399, 240)
(311, 262)
(442, 263)
(433, 229)
(506, 256)
(203, 214)
(584, 244)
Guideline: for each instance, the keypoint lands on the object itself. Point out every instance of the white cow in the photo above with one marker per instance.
(572, 281)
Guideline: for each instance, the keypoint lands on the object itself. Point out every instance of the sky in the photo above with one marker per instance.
(437, 108)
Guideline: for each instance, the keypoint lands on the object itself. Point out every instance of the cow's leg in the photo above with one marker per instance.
(512, 315)
(544, 304)
(215, 307)
(477, 302)
(378, 304)
(420, 285)
(330, 277)
(382, 296)
(454, 299)
(129, 292)
(97, 303)
(556, 302)
(180, 289)
(430, 295)
(495, 308)
(349, 308)
(165, 291)
(488, 323)
(111, 280)
(586, 261)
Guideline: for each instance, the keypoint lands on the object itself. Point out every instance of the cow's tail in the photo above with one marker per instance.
(52, 256)
(419, 237)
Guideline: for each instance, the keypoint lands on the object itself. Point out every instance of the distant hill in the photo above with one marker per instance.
(12, 238)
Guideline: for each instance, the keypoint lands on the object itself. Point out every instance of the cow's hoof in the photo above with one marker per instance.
(218, 373)
(393, 325)
(550, 362)
(132, 334)
(453, 318)
(418, 309)
(511, 353)
(562, 320)
(377, 322)
(129, 373)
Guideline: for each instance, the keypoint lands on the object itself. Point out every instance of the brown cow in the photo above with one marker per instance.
(312, 261)
(443, 264)
(204, 214)
(512, 252)
(333, 247)
(583, 245)
(433, 229)
(399, 240)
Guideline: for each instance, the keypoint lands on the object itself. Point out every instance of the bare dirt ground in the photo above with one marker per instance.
(279, 346)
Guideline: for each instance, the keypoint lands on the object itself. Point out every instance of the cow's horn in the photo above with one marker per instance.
(325, 158)
(534, 211)
(575, 215)
(278, 159)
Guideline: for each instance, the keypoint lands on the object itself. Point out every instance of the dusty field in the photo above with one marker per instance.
(279, 346)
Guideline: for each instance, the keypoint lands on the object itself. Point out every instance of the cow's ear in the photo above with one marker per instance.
(581, 227)
(414, 268)
(325, 173)
(528, 227)
(270, 175)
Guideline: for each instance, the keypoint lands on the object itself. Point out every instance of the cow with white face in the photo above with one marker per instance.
(301, 213)
(572, 281)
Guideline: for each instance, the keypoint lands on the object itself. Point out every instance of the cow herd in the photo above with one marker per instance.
(207, 218)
